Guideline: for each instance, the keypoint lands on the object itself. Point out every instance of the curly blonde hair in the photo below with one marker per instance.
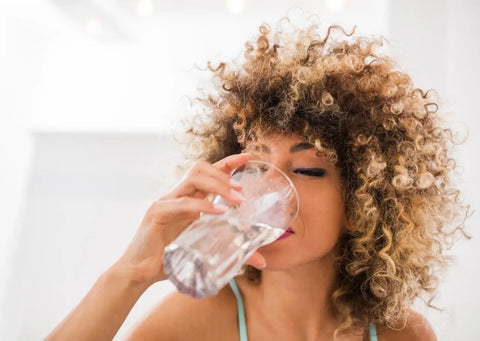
(384, 136)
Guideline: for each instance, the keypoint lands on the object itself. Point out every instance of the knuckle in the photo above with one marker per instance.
(155, 206)
(191, 175)
(193, 169)
(188, 180)
(182, 201)
(156, 211)
(199, 164)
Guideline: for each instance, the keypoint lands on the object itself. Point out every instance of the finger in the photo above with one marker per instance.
(201, 167)
(164, 210)
(204, 167)
(232, 162)
(171, 217)
(257, 260)
(207, 184)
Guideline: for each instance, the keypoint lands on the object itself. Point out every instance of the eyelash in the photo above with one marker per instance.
(316, 172)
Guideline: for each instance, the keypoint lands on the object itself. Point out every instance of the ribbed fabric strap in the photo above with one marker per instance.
(242, 328)
(372, 331)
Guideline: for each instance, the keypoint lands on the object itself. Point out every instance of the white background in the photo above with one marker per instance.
(91, 93)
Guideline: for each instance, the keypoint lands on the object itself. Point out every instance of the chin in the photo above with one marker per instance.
(283, 257)
(277, 261)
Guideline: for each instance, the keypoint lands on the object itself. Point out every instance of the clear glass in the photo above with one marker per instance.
(211, 251)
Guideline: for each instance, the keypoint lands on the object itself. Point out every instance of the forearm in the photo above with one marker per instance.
(103, 310)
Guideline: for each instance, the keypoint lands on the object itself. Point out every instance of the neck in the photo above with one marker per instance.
(299, 299)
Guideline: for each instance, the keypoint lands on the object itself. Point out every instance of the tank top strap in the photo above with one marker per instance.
(372, 332)
(242, 327)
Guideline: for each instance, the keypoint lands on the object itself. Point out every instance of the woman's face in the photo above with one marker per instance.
(321, 217)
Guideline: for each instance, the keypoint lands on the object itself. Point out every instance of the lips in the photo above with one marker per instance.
(288, 232)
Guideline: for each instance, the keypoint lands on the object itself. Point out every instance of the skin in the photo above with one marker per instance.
(290, 303)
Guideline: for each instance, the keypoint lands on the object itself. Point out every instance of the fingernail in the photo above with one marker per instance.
(237, 195)
(235, 183)
(263, 265)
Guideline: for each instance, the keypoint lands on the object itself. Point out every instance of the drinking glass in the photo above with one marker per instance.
(212, 250)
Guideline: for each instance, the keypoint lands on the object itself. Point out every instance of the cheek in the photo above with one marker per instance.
(322, 216)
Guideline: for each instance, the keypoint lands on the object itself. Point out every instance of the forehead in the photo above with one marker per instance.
(276, 138)
(268, 142)
(294, 145)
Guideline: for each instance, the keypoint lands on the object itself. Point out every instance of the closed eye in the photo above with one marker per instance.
(318, 172)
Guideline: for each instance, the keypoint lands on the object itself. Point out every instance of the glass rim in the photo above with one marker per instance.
(282, 173)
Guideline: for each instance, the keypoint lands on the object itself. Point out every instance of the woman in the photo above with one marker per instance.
(372, 167)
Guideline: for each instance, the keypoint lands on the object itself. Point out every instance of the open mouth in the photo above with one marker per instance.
(288, 232)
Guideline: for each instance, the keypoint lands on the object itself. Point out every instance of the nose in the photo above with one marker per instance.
(277, 180)
(265, 169)
(272, 175)
(269, 169)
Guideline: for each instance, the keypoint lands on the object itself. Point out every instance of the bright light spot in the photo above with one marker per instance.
(236, 6)
(335, 5)
(145, 8)
(94, 26)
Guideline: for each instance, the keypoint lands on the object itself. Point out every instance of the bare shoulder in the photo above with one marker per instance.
(180, 317)
(417, 328)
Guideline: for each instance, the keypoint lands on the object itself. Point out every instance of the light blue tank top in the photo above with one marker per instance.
(242, 327)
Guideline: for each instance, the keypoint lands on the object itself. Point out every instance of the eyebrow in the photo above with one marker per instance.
(294, 149)
(300, 146)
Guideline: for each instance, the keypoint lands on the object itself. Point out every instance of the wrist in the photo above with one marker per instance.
(128, 277)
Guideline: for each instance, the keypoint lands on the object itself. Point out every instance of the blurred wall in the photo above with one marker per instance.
(91, 93)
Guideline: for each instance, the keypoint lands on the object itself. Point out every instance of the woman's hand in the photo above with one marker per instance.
(102, 311)
(172, 213)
